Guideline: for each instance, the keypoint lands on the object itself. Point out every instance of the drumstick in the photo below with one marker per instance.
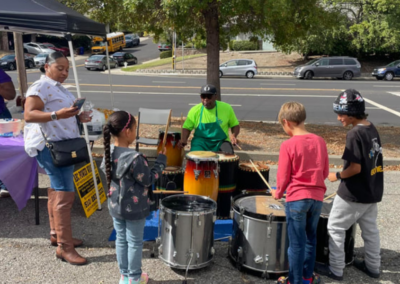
(166, 132)
(330, 196)
(169, 191)
(240, 148)
(261, 175)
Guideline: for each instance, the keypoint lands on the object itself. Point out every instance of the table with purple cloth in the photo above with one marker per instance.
(18, 171)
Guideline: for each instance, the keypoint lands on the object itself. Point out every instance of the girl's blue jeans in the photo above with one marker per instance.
(302, 218)
(129, 246)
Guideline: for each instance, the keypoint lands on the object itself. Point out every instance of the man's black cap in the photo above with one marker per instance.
(208, 90)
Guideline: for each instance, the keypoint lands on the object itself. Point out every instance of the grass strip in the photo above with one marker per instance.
(160, 62)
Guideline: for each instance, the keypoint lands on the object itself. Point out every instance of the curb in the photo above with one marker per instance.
(256, 156)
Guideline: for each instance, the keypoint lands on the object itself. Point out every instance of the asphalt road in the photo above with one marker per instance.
(147, 50)
(252, 99)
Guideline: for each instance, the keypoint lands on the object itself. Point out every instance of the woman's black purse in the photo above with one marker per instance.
(69, 152)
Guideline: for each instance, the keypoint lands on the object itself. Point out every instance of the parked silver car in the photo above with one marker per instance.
(238, 67)
(40, 59)
(342, 67)
(99, 62)
(36, 48)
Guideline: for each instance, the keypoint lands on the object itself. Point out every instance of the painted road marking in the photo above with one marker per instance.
(386, 86)
(395, 93)
(196, 94)
(372, 108)
(168, 82)
(229, 104)
(382, 107)
(265, 84)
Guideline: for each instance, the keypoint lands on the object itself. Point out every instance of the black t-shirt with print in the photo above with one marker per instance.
(363, 146)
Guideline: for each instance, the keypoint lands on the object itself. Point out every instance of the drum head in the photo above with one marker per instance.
(189, 203)
(172, 170)
(248, 167)
(171, 130)
(202, 155)
(260, 207)
(227, 157)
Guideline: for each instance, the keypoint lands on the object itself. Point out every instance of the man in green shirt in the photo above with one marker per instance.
(211, 120)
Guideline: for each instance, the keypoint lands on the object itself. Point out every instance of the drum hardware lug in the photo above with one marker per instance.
(212, 251)
(161, 215)
(158, 240)
(267, 258)
(241, 220)
(198, 255)
(198, 220)
(174, 255)
(216, 173)
(173, 143)
(167, 229)
(196, 174)
(176, 220)
(240, 252)
(160, 250)
(231, 214)
(269, 232)
(258, 259)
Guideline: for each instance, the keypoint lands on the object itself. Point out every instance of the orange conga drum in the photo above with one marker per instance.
(174, 154)
(201, 174)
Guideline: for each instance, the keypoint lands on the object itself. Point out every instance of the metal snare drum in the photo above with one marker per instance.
(187, 231)
(259, 239)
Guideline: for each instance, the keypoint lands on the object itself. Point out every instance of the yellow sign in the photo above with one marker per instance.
(84, 184)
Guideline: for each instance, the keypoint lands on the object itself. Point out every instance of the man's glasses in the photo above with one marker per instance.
(206, 96)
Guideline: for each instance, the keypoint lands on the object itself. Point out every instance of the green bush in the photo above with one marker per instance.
(166, 54)
(238, 45)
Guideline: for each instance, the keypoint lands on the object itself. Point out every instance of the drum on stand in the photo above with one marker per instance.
(171, 179)
(187, 231)
(259, 239)
(201, 174)
(228, 165)
(249, 180)
(174, 154)
(323, 237)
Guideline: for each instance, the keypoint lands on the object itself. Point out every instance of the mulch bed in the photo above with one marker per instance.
(267, 137)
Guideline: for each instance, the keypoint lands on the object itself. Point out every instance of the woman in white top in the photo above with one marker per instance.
(50, 106)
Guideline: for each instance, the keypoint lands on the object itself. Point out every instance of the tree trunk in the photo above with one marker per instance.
(212, 30)
(4, 41)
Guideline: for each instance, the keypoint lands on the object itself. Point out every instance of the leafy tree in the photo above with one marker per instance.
(281, 21)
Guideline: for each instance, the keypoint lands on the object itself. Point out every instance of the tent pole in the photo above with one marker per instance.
(109, 76)
(78, 90)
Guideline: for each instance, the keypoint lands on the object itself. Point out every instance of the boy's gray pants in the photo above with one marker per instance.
(343, 215)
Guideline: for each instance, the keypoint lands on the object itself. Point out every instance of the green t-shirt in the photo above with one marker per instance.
(226, 117)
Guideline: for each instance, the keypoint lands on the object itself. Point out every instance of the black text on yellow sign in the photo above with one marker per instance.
(84, 184)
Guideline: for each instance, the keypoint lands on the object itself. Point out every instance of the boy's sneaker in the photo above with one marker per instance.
(124, 280)
(144, 278)
(283, 280)
(360, 265)
(315, 279)
(324, 270)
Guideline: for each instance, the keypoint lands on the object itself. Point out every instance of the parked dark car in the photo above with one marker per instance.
(8, 62)
(341, 67)
(122, 57)
(387, 72)
(132, 40)
(56, 47)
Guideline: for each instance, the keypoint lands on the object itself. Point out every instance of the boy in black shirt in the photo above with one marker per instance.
(360, 189)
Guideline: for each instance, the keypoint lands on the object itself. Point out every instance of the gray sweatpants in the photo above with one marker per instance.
(343, 215)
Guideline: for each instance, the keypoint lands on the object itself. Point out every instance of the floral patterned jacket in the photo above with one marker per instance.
(131, 181)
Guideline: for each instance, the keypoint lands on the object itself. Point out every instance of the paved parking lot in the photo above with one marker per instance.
(27, 257)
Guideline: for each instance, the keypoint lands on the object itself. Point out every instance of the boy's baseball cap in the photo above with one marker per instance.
(349, 102)
(208, 90)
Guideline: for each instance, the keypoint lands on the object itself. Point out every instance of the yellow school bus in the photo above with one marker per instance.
(116, 42)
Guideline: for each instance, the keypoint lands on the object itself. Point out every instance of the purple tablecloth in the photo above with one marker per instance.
(18, 171)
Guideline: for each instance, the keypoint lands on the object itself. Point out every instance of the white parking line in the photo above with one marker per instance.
(196, 94)
(395, 93)
(386, 86)
(382, 107)
(372, 108)
(168, 82)
(230, 105)
(274, 84)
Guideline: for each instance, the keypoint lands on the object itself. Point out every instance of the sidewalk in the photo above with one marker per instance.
(27, 257)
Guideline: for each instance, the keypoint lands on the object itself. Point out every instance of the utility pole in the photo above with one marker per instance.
(20, 57)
